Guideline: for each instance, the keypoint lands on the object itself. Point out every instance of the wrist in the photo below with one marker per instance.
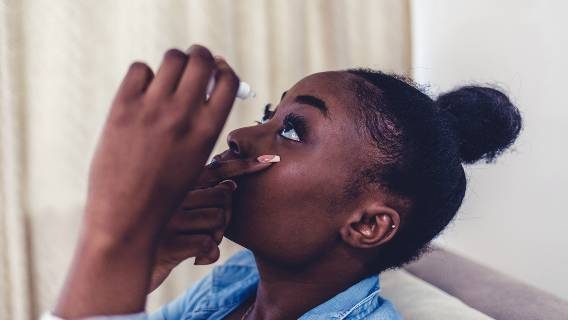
(107, 242)
(106, 277)
(109, 228)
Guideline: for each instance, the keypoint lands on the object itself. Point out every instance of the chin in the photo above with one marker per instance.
(252, 216)
(239, 225)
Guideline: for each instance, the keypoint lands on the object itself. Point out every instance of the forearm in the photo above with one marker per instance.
(152, 148)
(107, 276)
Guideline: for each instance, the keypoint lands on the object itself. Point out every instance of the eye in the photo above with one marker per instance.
(290, 134)
(294, 128)
(267, 114)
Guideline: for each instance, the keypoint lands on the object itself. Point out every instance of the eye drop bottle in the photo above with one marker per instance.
(244, 91)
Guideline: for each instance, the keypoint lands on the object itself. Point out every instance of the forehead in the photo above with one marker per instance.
(343, 136)
(332, 87)
(344, 127)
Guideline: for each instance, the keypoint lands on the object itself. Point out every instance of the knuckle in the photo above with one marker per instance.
(219, 221)
(228, 196)
(231, 76)
(120, 117)
(122, 114)
(164, 114)
(215, 175)
(223, 191)
(150, 118)
(171, 114)
(205, 242)
(205, 131)
(173, 124)
(234, 78)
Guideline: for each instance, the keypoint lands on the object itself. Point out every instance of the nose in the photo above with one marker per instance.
(236, 140)
(233, 144)
(245, 142)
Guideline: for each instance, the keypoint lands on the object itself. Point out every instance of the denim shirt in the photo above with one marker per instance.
(230, 284)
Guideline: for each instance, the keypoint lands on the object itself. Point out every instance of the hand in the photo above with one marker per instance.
(196, 228)
(156, 139)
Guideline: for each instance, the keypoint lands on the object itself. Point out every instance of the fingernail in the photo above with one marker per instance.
(268, 158)
(231, 183)
(201, 261)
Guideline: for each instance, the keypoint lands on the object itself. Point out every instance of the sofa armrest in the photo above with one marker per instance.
(489, 291)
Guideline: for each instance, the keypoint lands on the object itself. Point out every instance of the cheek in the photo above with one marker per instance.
(283, 212)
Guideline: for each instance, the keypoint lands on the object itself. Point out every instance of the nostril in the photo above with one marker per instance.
(234, 147)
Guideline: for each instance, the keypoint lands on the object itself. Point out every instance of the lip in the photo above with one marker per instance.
(224, 156)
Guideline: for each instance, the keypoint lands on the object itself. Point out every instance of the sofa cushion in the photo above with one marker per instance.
(489, 291)
(416, 299)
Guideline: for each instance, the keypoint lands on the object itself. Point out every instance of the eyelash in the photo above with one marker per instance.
(296, 122)
(291, 121)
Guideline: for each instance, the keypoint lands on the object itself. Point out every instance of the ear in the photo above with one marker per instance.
(370, 226)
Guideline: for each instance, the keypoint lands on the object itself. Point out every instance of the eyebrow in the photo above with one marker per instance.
(311, 101)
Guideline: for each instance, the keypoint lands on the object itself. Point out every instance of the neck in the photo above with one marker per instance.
(288, 294)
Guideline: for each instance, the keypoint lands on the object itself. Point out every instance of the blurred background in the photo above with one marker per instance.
(61, 62)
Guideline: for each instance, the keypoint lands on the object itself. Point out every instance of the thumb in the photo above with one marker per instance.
(222, 170)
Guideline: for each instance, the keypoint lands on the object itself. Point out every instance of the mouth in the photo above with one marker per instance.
(224, 156)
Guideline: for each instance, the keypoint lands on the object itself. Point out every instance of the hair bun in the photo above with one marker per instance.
(487, 123)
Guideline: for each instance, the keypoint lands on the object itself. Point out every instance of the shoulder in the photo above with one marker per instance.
(386, 311)
(243, 257)
(360, 301)
(225, 285)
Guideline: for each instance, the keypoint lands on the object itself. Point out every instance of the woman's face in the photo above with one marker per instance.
(292, 211)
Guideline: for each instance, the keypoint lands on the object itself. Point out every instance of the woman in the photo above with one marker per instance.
(370, 172)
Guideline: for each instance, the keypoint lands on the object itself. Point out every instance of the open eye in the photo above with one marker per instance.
(294, 128)
(267, 114)
(289, 133)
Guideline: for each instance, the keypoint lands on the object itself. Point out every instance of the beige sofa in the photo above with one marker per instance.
(444, 285)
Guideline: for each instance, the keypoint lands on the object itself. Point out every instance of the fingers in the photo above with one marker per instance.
(169, 73)
(221, 170)
(135, 82)
(182, 247)
(204, 220)
(209, 258)
(195, 78)
(218, 196)
(186, 75)
(204, 211)
(183, 79)
(223, 95)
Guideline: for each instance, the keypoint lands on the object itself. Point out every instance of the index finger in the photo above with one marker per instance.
(218, 171)
(223, 94)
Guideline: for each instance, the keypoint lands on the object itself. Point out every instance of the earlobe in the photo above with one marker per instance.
(370, 227)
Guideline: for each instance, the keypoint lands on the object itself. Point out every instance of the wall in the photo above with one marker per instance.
(514, 217)
(61, 62)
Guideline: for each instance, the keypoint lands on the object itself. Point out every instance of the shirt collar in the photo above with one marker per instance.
(361, 298)
(238, 278)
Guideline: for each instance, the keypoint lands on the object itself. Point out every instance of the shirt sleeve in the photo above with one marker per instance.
(186, 302)
(174, 310)
(129, 316)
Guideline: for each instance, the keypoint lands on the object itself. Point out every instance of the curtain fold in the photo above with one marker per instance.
(61, 62)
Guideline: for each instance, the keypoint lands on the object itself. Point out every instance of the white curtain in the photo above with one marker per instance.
(61, 62)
